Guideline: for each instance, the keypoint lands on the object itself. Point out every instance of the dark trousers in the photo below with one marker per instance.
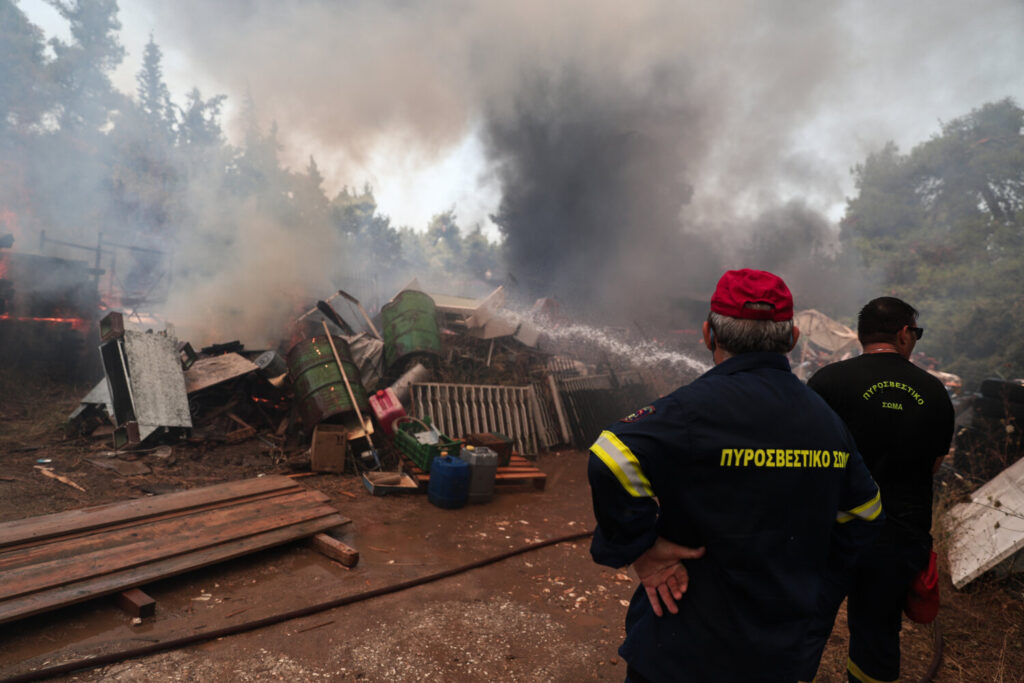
(874, 611)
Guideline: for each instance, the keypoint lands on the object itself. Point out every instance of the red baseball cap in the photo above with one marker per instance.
(738, 287)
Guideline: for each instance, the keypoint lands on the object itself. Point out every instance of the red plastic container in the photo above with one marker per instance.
(386, 408)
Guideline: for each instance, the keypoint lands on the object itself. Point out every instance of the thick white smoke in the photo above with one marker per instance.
(636, 146)
(789, 95)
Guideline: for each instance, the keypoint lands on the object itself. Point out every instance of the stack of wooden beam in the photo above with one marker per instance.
(60, 559)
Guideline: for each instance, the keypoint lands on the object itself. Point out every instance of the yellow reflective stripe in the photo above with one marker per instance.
(610, 463)
(624, 465)
(870, 509)
(866, 511)
(636, 474)
(856, 672)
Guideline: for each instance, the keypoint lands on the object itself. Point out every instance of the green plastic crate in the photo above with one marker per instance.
(422, 454)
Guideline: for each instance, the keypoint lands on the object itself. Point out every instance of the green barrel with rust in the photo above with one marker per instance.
(319, 387)
(409, 327)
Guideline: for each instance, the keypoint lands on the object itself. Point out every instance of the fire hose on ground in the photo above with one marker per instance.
(91, 662)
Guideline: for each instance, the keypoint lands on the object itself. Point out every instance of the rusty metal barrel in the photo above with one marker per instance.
(409, 327)
(319, 387)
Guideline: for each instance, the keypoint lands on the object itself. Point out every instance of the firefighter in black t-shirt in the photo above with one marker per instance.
(902, 420)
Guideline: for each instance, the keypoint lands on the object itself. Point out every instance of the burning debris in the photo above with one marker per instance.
(47, 309)
(347, 390)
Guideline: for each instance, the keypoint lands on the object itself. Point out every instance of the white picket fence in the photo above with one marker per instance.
(460, 409)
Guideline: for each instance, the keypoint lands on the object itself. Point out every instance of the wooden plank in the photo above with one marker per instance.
(136, 603)
(230, 524)
(48, 472)
(335, 549)
(534, 426)
(35, 528)
(79, 591)
(523, 471)
(507, 401)
(517, 462)
(240, 435)
(165, 526)
(477, 421)
(466, 407)
(184, 536)
(206, 372)
(539, 479)
(508, 404)
(241, 422)
(519, 422)
(40, 545)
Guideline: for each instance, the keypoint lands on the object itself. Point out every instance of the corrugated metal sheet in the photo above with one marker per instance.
(145, 382)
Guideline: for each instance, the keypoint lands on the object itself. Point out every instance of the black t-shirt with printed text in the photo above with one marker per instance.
(902, 420)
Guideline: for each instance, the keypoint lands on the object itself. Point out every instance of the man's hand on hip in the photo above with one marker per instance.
(663, 575)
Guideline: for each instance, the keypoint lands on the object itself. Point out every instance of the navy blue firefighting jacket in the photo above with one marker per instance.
(751, 464)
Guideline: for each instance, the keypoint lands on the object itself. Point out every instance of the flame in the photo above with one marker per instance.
(78, 324)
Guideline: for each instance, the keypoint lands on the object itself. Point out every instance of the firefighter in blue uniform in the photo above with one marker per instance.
(736, 499)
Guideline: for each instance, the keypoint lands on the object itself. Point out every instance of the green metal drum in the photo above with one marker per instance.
(319, 387)
(409, 326)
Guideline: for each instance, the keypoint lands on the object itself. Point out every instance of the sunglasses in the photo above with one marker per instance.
(918, 331)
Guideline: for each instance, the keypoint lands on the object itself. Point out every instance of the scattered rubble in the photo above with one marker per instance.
(467, 364)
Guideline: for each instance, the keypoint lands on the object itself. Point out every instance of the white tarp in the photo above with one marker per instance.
(485, 319)
(487, 322)
(368, 355)
(824, 332)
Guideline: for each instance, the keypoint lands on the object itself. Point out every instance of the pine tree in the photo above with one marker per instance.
(82, 68)
(154, 97)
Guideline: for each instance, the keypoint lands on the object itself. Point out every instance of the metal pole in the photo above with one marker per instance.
(313, 310)
(348, 387)
(563, 423)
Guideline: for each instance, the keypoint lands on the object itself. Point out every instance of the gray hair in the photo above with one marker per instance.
(739, 335)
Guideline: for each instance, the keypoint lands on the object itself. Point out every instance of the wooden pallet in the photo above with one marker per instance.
(518, 470)
(55, 560)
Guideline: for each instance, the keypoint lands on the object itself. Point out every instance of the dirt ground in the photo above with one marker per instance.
(546, 615)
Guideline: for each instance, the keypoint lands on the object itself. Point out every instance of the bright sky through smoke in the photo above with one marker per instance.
(391, 93)
(409, 186)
